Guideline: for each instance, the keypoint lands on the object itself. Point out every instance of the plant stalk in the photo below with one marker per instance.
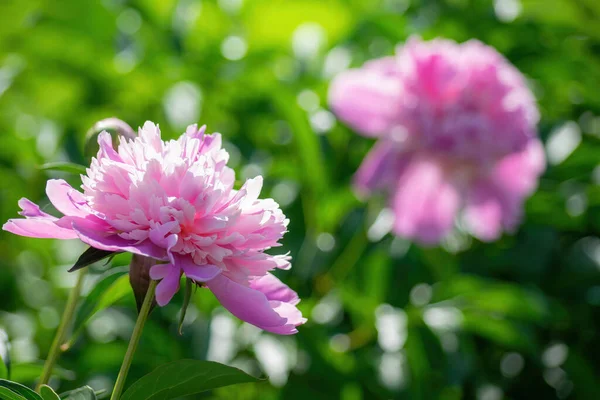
(62, 330)
(133, 342)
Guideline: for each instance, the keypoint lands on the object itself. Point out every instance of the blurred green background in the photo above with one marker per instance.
(516, 319)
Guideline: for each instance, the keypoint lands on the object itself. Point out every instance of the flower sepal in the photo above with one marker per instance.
(139, 278)
(90, 256)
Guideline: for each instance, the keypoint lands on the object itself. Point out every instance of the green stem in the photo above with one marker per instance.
(133, 342)
(61, 331)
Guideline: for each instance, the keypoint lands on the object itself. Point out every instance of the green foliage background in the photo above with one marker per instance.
(516, 319)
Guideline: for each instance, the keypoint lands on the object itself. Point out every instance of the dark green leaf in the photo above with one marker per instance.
(184, 378)
(83, 393)
(24, 391)
(7, 394)
(111, 287)
(104, 284)
(64, 167)
(47, 393)
(89, 257)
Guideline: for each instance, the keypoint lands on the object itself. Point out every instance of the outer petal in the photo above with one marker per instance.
(29, 209)
(43, 228)
(169, 285)
(37, 224)
(274, 289)
(66, 199)
(289, 312)
(367, 99)
(380, 168)
(425, 202)
(484, 211)
(159, 271)
(518, 173)
(496, 203)
(253, 306)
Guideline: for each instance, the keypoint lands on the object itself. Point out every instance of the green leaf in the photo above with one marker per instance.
(112, 286)
(7, 394)
(89, 257)
(64, 167)
(48, 393)
(21, 390)
(184, 378)
(29, 372)
(116, 292)
(83, 393)
(501, 331)
(500, 298)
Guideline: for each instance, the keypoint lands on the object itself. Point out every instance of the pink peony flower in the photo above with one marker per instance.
(457, 135)
(175, 202)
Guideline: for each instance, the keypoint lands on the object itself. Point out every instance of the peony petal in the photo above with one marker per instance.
(289, 312)
(367, 99)
(245, 303)
(380, 168)
(106, 147)
(66, 199)
(31, 210)
(484, 211)
(158, 233)
(199, 273)
(274, 289)
(110, 241)
(159, 271)
(168, 286)
(39, 224)
(43, 228)
(425, 202)
(496, 203)
(517, 174)
(193, 131)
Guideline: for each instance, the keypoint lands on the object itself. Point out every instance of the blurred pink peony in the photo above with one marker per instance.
(175, 202)
(457, 134)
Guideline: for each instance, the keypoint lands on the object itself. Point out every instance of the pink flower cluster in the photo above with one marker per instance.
(457, 137)
(175, 202)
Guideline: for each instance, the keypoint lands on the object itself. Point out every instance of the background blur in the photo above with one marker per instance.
(515, 319)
